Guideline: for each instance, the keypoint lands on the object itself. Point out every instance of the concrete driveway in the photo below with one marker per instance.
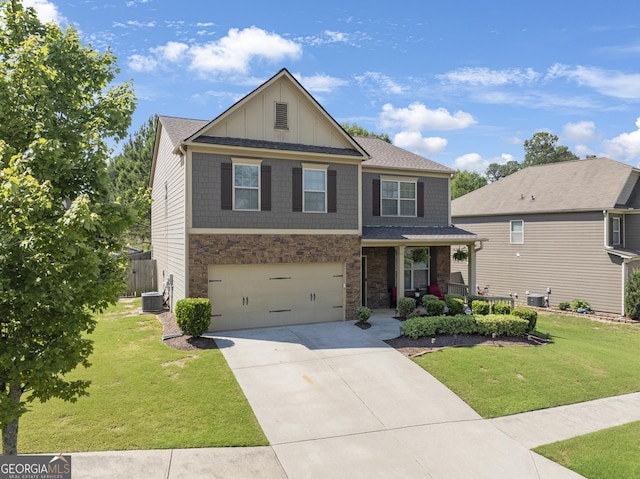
(336, 401)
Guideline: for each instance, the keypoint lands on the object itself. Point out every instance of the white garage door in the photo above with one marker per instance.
(255, 296)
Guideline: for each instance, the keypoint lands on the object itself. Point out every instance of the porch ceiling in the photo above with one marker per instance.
(449, 235)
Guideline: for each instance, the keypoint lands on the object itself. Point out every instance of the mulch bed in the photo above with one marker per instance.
(185, 342)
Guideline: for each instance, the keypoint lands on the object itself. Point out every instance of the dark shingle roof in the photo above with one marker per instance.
(582, 185)
(386, 155)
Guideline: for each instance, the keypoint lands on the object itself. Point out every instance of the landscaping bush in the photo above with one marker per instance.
(428, 297)
(563, 306)
(406, 306)
(458, 324)
(363, 314)
(501, 307)
(632, 296)
(501, 325)
(449, 296)
(455, 305)
(480, 307)
(528, 314)
(434, 307)
(472, 297)
(193, 315)
(422, 326)
(580, 305)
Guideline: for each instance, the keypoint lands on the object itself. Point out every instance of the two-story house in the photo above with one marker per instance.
(572, 228)
(279, 216)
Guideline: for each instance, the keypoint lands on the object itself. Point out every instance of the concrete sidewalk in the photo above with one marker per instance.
(335, 401)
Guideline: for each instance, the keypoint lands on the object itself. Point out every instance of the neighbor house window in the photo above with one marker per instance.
(246, 187)
(314, 187)
(416, 275)
(615, 236)
(398, 198)
(517, 232)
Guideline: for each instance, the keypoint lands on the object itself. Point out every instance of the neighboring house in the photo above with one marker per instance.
(570, 227)
(278, 216)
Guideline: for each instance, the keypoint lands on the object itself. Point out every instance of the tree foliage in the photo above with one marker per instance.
(354, 130)
(495, 171)
(632, 296)
(465, 182)
(129, 172)
(58, 228)
(541, 149)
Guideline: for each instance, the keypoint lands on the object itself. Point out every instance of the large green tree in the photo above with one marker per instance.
(58, 227)
(495, 171)
(354, 130)
(129, 172)
(465, 182)
(541, 149)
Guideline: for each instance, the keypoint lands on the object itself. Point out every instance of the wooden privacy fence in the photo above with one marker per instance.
(142, 277)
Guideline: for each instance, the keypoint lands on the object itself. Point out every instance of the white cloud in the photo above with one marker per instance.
(417, 117)
(320, 83)
(414, 141)
(607, 82)
(140, 63)
(47, 11)
(486, 77)
(581, 132)
(382, 81)
(475, 162)
(625, 147)
(172, 51)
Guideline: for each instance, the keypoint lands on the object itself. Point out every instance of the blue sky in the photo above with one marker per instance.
(463, 83)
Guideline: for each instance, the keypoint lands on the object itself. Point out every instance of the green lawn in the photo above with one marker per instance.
(586, 360)
(144, 395)
(608, 454)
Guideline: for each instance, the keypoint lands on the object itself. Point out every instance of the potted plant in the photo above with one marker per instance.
(419, 255)
(460, 254)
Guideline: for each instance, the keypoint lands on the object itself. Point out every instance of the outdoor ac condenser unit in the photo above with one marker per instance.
(152, 302)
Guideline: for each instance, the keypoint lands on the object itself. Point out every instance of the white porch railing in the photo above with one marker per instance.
(458, 288)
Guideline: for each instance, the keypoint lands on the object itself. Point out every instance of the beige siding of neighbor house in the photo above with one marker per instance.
(563, 251)
(255, 119)
(168, 217)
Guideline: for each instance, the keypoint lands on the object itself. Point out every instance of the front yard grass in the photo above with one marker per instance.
(607, 454)
(586, 360)
(144, 395)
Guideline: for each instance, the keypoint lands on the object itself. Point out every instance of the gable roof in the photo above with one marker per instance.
(178, 129)
(385, 155)
(582, 185)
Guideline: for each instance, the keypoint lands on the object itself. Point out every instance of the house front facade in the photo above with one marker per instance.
(261, 210)
(570, 228)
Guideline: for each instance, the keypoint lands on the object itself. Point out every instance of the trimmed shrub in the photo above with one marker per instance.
(501, 307)
(428, 297)
(480, 307)
(449, 296)
(458, 324)
(430, 325)
(563, 306)
(580, 305)
(501, 325)
(455, 305)
(528, 314)
(193, 315)
(419, 327)
(472, 297)
(632, 296)
(406, 306)
(434, 307)
(363, 314)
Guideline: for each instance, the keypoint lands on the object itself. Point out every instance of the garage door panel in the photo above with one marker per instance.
(250, 296)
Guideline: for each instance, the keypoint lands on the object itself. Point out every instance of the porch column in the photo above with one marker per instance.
(400, 271)
(471, 265)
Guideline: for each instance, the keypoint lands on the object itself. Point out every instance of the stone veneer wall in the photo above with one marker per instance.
(205, 249)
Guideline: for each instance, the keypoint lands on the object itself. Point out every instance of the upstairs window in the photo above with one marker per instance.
(517, 232)
(398, 198)
(246, 187)
(314, 190)
(616, 236)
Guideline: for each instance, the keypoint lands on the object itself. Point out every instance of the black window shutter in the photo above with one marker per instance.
(265, 187)
(297, 189)
(376, 198)
(226, 186)
(332, 193)
(420, 199)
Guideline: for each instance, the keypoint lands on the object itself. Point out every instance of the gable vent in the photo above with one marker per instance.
(282, 121)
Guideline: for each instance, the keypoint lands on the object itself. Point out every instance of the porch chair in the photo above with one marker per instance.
(435, 290)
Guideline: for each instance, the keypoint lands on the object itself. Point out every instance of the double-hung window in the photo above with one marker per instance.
(517, 232)
(416, 275)
(615, 230)
(314, 181)
(246, 186)
(398, 198)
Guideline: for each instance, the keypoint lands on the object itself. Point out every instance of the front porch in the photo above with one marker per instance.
(391, 268)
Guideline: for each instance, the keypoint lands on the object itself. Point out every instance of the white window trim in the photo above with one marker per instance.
(511, 232)
(614, 230)
(399, 199)
(309, 167)
(246, 162)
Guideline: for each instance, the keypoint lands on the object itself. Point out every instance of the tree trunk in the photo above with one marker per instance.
(10, 430)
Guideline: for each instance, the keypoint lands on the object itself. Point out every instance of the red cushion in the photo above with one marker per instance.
(435, 290)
